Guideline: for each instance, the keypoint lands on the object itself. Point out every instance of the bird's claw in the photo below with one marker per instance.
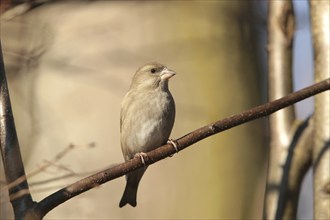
(141, 155)
(175, 146)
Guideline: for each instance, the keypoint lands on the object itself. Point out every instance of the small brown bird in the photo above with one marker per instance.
(146, 120)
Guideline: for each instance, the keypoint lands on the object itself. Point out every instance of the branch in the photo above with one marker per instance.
(297, 162)
(10, 151)
(61, 196)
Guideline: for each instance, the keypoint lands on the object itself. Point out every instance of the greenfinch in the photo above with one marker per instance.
(146, 120)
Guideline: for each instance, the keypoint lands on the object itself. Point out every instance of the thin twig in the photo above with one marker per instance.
(61, 196)
(46, 164)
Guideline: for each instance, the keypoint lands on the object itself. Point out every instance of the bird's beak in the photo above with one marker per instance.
(166, 74)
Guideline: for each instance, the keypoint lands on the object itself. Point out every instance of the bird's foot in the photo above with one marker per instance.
(141, 155)
(175, 146)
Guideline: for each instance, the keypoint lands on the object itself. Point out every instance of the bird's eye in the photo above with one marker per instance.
(153, 70)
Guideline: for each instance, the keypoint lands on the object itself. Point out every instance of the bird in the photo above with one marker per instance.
(146, 120)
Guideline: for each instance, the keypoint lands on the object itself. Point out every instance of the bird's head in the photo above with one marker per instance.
(152, 76)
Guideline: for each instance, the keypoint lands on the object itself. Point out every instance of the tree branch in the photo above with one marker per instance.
(61, 196)
(10, 151)
(295, 166)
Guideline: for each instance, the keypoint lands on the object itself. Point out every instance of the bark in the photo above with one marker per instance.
(321, 149)
(280, 40)
(10, 152)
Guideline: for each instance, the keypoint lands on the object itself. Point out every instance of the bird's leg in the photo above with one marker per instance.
(172, 142)
(141, 155)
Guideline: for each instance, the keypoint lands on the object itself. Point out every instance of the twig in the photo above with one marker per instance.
(61, 196)
(46, 164)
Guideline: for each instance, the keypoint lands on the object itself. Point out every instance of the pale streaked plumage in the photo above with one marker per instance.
(146, 119)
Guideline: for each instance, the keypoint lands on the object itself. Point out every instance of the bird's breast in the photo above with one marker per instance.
(151, 122)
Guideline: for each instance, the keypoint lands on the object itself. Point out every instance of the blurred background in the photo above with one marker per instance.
(69, 64)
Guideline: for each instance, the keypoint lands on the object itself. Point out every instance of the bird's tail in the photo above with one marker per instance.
(132, 184)
(129, 196)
